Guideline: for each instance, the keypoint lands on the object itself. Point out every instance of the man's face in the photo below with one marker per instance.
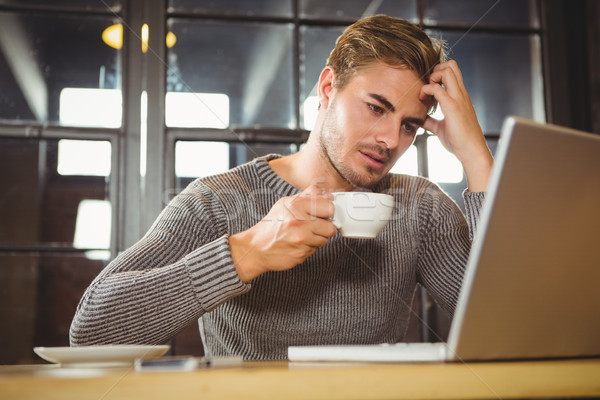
(371, 122)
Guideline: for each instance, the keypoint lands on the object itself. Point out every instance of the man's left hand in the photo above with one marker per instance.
(459, 131)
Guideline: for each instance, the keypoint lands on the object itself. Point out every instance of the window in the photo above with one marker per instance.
(105, 135)
(247, 8)
(316, 43)
(197, 159)
(443, 166)
(84, 157)
(345, 10)
(197, 110)
(92, 228)
(82, 5)
(486, 13)
(54, 178)
(194, 159)
(501, 71)
(408, 164)
(90, 107)
(43, 57)
(483, 37)
(250, 63)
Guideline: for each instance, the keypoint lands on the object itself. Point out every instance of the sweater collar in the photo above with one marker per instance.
(281, 186)
(270, 178)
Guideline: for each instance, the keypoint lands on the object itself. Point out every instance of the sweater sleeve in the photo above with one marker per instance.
(181, 269)
(473, 204)
(445, 244)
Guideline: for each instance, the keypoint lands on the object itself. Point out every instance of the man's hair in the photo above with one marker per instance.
(393, 41)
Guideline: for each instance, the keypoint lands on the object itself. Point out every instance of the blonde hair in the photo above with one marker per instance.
(393, 41)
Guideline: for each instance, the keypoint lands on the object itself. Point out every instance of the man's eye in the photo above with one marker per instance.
(376, 109)
(409, 128)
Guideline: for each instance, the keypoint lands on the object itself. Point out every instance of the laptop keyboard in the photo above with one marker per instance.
(397, 352)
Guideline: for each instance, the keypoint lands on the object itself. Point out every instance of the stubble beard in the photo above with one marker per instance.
(330, 140)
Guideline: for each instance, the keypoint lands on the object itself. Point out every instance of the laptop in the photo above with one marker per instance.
(532, 285)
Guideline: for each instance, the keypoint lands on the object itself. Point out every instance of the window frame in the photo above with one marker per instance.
(137, 199)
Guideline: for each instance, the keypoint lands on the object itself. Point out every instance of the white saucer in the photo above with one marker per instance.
(107, 355)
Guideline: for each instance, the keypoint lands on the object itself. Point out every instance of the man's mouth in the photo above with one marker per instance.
(373, 159)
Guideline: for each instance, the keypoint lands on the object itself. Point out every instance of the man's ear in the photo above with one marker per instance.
(325, 86)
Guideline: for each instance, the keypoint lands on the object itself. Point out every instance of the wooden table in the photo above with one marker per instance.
(282, 380)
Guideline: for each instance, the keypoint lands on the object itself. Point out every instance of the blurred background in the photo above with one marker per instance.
(108, 108)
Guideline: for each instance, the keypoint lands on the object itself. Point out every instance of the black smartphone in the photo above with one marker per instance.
(185, 363)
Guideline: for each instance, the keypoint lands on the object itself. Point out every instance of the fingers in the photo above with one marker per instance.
(450, 65)
(305, 217)
(313, 215)
(321, 231)
(292, 230)
(432, 125)
(314, 202)
(317, 204)
(315, 190)
(445, 81)
(436, 90)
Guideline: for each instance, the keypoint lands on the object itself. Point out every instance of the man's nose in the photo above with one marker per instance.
(387, 132)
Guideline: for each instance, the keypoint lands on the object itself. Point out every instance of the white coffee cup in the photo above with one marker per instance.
(361, 214)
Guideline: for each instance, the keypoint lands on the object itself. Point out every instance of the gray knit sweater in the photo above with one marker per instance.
(349, 291)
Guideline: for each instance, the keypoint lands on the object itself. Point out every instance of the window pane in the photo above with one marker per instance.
(502, 73)
(455, 190)
(197, 110)
(39, 205)
(408, 164)
(196, 159)
(277, 8)
(43, 54)
(103, 5)
(84, 157)
(315, 45)
(513, 13)
(250, 63)
(443, 166)
(92, 227)
(355, 9)
(39, 296)
(90, 107)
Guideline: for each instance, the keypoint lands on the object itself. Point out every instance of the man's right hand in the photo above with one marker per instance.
(293, 230)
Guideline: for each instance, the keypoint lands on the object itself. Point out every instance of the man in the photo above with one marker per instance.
(252, 255)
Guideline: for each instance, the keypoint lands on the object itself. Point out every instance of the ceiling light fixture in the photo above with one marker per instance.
(113, 36)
